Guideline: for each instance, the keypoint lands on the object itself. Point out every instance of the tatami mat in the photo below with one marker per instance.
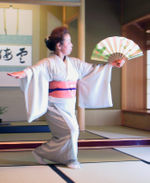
(110, 172)
(92, 132)
(119, 165)
(142, 153)
(102, 155)
(29, 174)
(41, 136)
(22, 123)
(24, 137)
(23, 158)
(88, 135)
(103, 131)
(118, 132)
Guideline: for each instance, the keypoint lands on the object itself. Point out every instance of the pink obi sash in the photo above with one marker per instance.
(62, 89)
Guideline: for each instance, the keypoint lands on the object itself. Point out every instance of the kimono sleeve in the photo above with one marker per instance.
(94, 88)
(35, 89)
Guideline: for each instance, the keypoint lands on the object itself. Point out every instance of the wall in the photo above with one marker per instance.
(134, 9)
(135, 115)
(50, 17)
(102, 117)
(12, 97)
(102, 20)
(138, 120)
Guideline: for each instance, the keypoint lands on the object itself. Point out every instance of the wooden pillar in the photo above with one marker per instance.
(64, 16)
(81, 55)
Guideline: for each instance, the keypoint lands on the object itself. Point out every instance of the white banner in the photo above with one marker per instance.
(15, 21)
(15, 55)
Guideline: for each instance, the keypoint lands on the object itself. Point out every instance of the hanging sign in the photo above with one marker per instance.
(15, 55)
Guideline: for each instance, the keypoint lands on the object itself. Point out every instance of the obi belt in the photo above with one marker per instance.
(62, 89)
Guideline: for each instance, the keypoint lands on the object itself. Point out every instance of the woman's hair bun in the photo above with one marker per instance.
(57, 36)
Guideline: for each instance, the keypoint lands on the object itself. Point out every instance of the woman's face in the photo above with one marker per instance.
(66, 47)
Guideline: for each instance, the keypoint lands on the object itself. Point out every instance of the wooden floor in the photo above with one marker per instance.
(100, 165)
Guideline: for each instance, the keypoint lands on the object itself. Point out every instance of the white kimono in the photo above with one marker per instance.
(94, 92)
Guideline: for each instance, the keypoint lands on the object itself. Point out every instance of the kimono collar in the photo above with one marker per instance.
(57, 57)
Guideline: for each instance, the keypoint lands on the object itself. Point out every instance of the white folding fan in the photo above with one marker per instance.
(116, 48)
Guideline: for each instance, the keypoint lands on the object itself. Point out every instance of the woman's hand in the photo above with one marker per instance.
(118, 63)
(18, 75)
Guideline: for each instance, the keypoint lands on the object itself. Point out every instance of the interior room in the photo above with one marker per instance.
(113, 140)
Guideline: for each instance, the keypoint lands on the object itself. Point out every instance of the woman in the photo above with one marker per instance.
(60, 74)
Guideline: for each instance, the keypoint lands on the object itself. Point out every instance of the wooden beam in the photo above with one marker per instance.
(81, 55)
(139, 27)
(72, 18)
(64, 16)
(137, 20)
(54, 3)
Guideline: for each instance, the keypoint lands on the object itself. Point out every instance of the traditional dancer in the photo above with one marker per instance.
(50, 87)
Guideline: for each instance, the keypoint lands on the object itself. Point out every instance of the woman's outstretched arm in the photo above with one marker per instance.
(18, 75)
